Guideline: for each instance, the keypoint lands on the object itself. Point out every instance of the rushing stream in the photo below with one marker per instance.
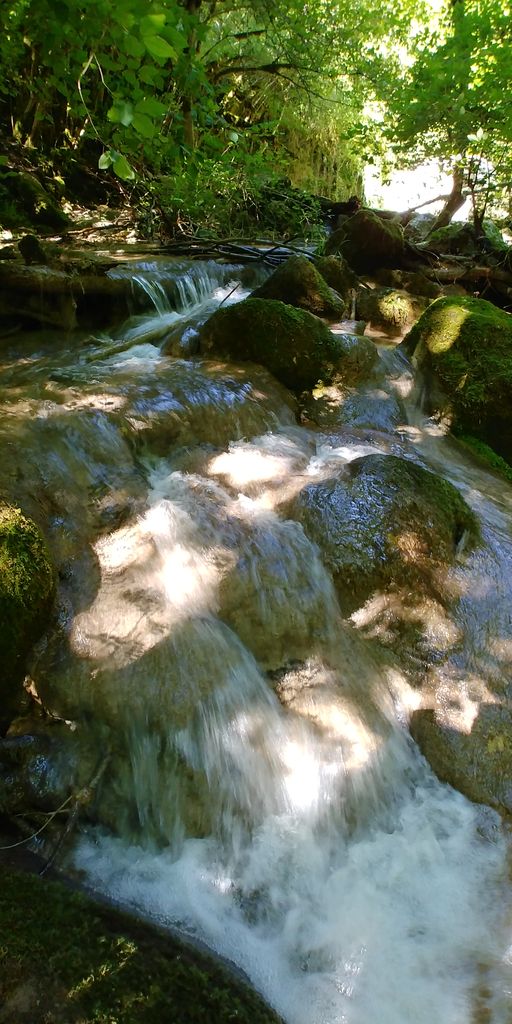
(264, 794)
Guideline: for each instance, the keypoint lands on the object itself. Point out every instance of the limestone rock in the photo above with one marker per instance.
(383, 521)
(390, 310)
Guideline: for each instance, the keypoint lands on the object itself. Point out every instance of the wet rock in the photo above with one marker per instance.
(413, 282)
(42, 762)
(464, 347)
(200, 401)
(182, 340)
(383, 522)
(26, 593)
(293, 344)
(277, 596)
(389, 310)
(475, 759)
(372, 407)
(299, 283)
(31, 249)
(367, 241)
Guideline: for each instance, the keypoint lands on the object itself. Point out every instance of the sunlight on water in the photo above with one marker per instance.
(266, 795)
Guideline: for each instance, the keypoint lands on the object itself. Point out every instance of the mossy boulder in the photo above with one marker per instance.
(294, 345)
(32, 201)
(465, 345)
(336, 271)
(413, 282)
(456, 239)
(388, 309)
(368, 241)
(298, 283)
(383, 522)
(26, 592)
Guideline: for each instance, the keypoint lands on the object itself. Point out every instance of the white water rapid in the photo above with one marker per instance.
(265, 794)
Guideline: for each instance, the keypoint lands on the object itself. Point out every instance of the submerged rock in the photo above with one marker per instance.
(373, 406)
(466, 345)
(299, 283)
(293, 344)
(26, 594)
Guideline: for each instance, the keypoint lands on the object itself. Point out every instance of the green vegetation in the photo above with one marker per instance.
(67, 960)
(205, 112)
(26, 591)
(487, 455)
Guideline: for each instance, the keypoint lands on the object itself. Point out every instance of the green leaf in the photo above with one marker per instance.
(152, 107)
(157, 46)
(178, 39)
(105, 161)
(122, 168)
(121, 112)
(133, 46)
(148, 74)
(143, 126)
(151, 23)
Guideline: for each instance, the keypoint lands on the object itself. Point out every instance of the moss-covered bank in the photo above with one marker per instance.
(467, 344)
(67, 960)
(26, 591)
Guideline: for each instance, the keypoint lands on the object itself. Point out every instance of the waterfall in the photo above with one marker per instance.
(264, 794)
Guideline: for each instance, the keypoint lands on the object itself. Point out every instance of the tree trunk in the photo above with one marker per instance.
(455, 200)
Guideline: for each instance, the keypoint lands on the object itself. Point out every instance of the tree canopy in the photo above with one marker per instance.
(253, 88)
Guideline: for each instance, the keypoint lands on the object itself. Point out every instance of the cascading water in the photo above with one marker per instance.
(264, 792)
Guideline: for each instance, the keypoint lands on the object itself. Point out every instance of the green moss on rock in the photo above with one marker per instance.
(456, 238)
(467, 344)
(32, 201)
(388, 309)
(294, 345)
(336, 271)
(26, 592)
(65, 959)
(298, 283)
